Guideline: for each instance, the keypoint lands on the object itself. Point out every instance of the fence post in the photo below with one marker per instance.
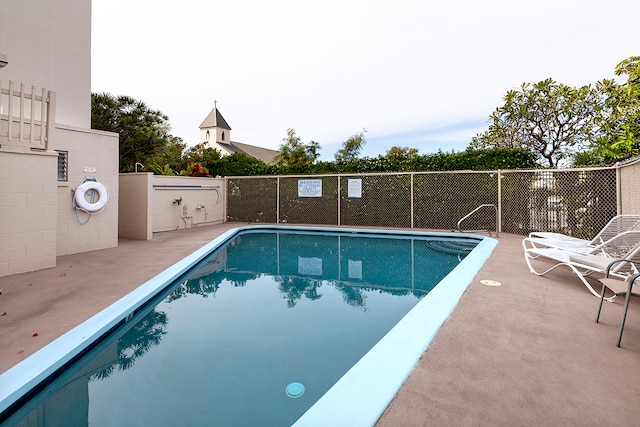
(278, 200)
(339, 198)
(51, 118)
(21, 122)
(618, 189)
(225, 217)
(499, 225)
(44, 112)
(32, 115)
(412, 198)
(10, 112)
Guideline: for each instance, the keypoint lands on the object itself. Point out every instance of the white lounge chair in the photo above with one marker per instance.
(616, 225)
(595, 260)
(627, 287)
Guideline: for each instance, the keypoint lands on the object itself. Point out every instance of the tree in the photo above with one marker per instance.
(551, 119)
(202, 153)
(144, 132)
(167, 158)
(238, 164)
(401, 151)
(351, 147)
(295, 152)
(620, 125)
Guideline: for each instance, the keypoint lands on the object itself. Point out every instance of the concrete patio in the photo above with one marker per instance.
(524, 353)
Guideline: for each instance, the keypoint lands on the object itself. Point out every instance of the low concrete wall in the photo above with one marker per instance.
(135, 213)
(154, 203)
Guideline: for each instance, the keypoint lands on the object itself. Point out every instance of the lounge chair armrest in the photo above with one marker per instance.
(630, 283)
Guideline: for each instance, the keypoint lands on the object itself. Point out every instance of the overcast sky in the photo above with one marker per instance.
(415, 73)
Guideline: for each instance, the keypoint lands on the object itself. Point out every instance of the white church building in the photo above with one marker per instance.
(215, 132)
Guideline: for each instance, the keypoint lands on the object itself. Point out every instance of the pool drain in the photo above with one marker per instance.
(295, 390)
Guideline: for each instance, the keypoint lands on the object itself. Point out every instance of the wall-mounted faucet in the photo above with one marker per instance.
(177, 201)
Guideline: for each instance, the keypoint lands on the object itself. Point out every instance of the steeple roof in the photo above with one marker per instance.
(215, 119)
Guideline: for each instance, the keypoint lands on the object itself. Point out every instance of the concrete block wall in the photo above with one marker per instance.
(28, 201)
(77, 231)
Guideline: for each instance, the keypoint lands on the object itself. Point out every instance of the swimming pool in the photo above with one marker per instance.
(336, 265)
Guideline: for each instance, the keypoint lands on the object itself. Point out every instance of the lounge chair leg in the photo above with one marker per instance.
(600, 305)
(588, 285)
(579, 273)
(624, 314)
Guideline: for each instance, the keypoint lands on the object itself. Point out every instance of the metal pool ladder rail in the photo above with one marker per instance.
(474, 211)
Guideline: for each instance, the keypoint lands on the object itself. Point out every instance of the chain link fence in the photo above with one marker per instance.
(578, 202)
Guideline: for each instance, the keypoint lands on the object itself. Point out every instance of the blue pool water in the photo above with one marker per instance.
(254, 334)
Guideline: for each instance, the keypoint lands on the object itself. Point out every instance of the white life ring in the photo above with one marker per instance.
(98, 205)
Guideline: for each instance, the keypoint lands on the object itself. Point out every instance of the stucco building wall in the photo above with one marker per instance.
(630, 188)
(47, 44)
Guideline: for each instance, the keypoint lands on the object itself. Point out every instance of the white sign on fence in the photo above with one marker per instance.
(355, 269)
(355, 188)
(310, 266)
(309, 188)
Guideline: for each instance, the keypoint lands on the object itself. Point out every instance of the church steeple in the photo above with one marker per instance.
(214, 128)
